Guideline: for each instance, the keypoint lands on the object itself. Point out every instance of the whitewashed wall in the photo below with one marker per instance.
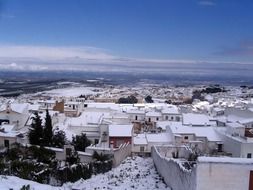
(121, 153)
(223, 176)
(232, 146)
(174, 176)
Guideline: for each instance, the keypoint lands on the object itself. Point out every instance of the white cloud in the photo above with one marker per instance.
(37, 58)
(45, 53)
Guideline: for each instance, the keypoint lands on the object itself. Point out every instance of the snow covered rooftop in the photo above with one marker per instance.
(7, 127)
(195, 119)
(208, 132)
(235, 125)
(225, 160)
(19, 108)
(153, 114)
(159, 138)
(170, 110)
(218, 109)
(34, 107)
(135, 111)
(112, 106)
(163, 124)
(140, 139)
(11, 134)
(72, 103)
(87, 118)
(120, 130)
(246, 121)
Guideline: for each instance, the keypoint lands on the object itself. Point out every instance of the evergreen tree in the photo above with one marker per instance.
(129, 100)
(48, 130)
(73, 158)
(35, 133)
(59, 139)
(80, 142)
(149, 99)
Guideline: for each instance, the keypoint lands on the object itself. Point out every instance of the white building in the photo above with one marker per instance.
(14, 114)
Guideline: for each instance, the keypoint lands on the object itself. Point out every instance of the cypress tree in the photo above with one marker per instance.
(48, 130)
(35, 133)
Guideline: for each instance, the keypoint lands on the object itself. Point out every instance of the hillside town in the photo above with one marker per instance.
(198, 137)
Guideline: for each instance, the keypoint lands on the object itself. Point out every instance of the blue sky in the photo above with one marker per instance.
(137, 30)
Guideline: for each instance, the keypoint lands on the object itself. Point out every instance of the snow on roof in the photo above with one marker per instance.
(50, 101)
(112, 106)
(228, 160)
(159, 137)
(153, 114)
(20, 108)
(162, 124)
(135, 111)
(120, 130)
(246, 121)
(217, 109)
(170, 110)
(195, 119)
(34, 107)
(208, 132)
(7, 127)
(9, 134)
(234, 118)
(87, 117)
(235, 125)
(202, 105)
(222, 119)
(72, 103)
(140, 139)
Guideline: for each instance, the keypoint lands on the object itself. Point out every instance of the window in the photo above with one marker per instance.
(157, 118)
(172, 118)
(177, 118)
(219, 147)
(96, 141)
(136, 117)
(166, 117)
(6, 143)
(149, 119)
(68, 152)
(249, 155)
(186, 137)
(142, 149)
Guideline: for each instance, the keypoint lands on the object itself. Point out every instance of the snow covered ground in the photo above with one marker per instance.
(73, 91)
(133, 173)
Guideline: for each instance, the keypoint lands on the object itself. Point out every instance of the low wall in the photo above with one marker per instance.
(121, 153)
(175, 176)
(60, 154)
